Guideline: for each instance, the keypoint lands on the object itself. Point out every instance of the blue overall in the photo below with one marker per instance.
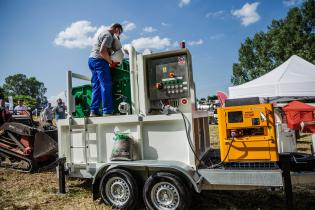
(101, 86)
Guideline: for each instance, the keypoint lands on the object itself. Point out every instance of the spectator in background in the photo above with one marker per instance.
(20, 106)
(59, 110)
(21, 109)
(47, 114)
(4, 112)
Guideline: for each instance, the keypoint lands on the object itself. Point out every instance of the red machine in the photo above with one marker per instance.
(298, 114)
(25, 145)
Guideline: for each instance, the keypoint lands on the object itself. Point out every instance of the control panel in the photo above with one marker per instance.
(168, 77)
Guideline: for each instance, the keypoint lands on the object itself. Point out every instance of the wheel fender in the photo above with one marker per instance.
(97, 179)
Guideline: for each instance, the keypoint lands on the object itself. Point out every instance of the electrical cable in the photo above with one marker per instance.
(221, 163)
(188, 129)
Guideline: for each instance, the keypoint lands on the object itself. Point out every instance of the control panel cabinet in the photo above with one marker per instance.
(168, 78)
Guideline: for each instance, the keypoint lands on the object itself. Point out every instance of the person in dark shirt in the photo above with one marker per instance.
(4, 113)
(60, 110)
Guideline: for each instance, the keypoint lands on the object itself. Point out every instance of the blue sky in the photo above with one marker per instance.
(45, 38)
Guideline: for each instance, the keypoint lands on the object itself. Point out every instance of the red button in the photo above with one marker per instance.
(158, 85)
(184, 101)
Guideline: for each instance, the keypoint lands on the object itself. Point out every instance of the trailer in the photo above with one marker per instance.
(169, 153)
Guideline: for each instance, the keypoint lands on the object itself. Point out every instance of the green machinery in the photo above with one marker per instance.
(121, 91)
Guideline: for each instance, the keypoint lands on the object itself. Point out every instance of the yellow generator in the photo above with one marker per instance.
(247, 134)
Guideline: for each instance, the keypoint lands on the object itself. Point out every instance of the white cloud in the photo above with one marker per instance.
(81, 34)
(147, 51)
(77, 35)
(165, 24)
(248, 13)
(290, 3)
(53, 99)
(128, 26)
(183, 3)
(151, 43)
(216, 36)
(217, 14)
(149, 29)
(198, 42)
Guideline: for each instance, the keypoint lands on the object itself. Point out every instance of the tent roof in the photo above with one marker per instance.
(298, 106)
(295, 77)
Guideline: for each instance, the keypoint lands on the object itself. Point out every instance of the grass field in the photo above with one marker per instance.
(38, 191)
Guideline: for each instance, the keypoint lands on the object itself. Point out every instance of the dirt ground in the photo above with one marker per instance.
(38, 191)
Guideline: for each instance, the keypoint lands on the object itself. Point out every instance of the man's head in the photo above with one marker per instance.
(59, 101)
(117, 29)
(20, 102)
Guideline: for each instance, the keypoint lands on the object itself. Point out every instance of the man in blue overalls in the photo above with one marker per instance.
(99, 62)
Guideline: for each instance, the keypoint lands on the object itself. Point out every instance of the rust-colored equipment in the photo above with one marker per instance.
(26, 146)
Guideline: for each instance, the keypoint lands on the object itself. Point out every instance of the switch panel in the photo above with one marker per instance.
(168, 77)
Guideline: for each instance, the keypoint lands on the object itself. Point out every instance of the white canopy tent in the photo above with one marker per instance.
(295, 78)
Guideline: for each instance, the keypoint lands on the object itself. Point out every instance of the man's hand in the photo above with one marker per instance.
(114, 64)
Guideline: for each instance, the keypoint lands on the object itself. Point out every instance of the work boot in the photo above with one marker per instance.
(106, 114)
(93, 115)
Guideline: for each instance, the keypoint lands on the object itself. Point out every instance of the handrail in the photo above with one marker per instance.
(70, 102)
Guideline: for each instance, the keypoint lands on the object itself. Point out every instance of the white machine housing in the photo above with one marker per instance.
(87, 143)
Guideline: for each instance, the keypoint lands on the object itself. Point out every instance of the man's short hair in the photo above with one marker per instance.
(118, 25)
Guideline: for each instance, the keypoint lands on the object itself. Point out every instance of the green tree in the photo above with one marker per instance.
(1, 92)
(20, 85)
(293, 35)
(202, 100)
(212, 98)
(28, 100)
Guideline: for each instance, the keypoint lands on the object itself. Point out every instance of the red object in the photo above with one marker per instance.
(297, 112)
(222, 97)
(25, 141)
(158, 86)
(184, 101)
(114, 64)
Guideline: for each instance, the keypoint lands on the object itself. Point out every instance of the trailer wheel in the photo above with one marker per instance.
(165, 191)
(119, 189)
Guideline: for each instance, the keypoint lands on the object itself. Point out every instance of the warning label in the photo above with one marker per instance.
(249, 114)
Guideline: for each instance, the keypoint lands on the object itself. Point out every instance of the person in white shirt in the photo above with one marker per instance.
(47, 114)
(20, 108)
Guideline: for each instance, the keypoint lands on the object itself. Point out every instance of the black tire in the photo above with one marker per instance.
(170, 185)
(115, 181)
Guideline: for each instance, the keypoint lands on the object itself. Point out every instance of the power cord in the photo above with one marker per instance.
(167, 109)
(188, 130)
(221, 163)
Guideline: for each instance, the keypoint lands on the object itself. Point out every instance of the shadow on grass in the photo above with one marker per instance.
(258, 199)
(303, 141)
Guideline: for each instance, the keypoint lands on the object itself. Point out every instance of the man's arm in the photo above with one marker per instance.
(105, 55)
